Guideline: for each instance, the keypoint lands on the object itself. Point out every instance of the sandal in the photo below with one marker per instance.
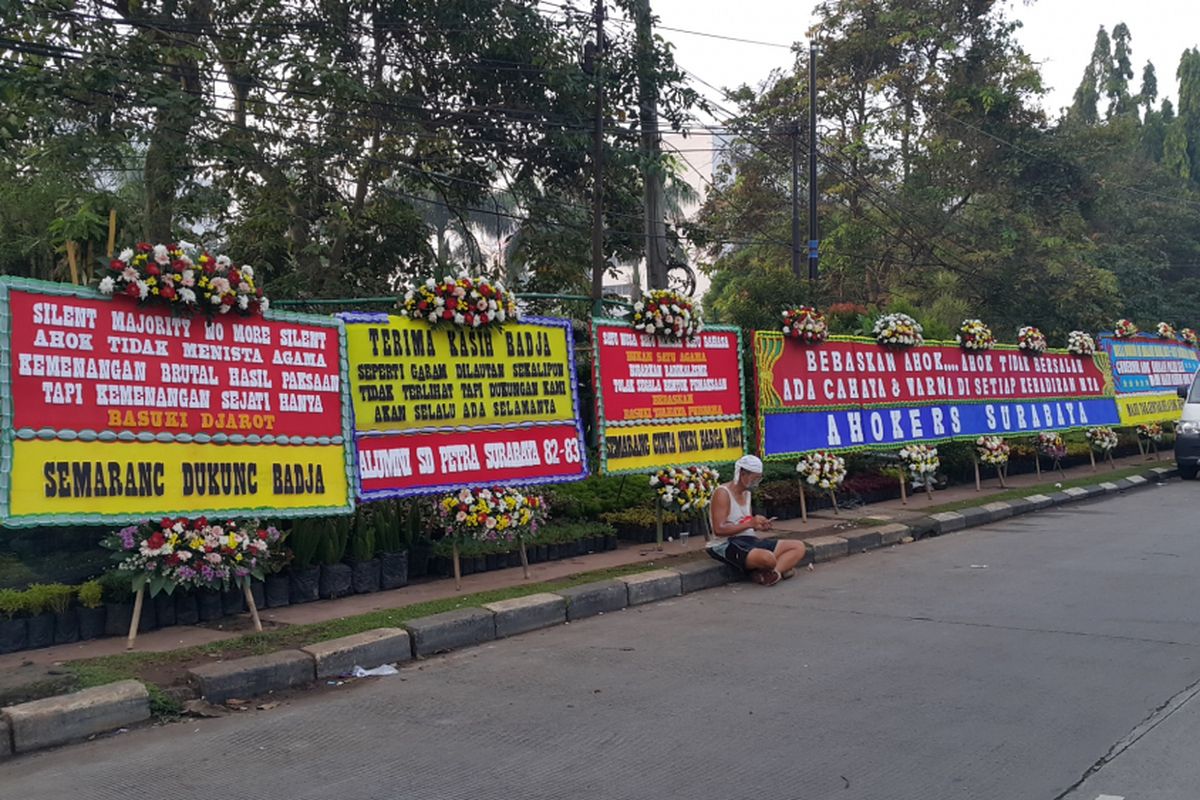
(764, 578)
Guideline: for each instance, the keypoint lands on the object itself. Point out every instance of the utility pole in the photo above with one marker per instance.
(656, 229)
(597, 70)
(813, 240)
(796, 248)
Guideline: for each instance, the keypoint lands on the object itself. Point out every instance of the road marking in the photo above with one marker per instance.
(1109, 797)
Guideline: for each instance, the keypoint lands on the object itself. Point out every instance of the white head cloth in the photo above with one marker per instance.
(749, 464)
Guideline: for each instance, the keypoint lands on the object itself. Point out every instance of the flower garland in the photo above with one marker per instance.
(1051, 444)
(195, 553)
(499, 514)
(822, 469)
(167, 274)
(1124, 329)
(805, 324)
(1152, 431)
(466, 301)
(1188, 337)
(1081, 343)
(685, 489)
(667, 314)
(921, 460)
(974, 335)
(1102, 439)
(1031, 340)
(992, 450)
(1165, 331)
(898, 330)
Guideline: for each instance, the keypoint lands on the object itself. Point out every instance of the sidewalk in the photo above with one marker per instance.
(29, 664)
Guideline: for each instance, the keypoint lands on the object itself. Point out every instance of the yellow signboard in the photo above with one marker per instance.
(74, 478)
(1142, 409)
(406, 375)
(648, 447)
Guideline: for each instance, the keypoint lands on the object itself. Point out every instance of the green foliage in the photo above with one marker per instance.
(13, 603)
(91, 594)
(362, 536)
(388, 522)
(116, 587)
(334, 539)
(305, 542)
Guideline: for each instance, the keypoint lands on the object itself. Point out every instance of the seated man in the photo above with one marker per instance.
(737, 530)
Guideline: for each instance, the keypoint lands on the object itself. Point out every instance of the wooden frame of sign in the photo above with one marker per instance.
(140, 598)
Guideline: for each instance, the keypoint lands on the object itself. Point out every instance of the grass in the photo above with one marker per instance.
(1014, 494)
(171, 664)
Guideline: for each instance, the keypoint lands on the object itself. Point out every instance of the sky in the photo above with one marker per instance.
(1058, 34)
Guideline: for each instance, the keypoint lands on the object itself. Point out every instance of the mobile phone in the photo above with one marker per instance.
(772, 519)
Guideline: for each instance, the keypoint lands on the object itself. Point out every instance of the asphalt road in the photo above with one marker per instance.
(1055, 655)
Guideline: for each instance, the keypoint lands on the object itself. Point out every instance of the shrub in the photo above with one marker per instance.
(305, 541)
(116, 587)
(56, 597)
(13, 603)
(91, 594)
(362, 535)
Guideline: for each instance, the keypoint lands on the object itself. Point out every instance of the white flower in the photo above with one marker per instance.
(223, 262)
(244, 287)
(224, 309)
(187, 296)
(433, 317)
(161, 255)
(408, 296)
(500, 315)
(125, 255)
(263, 304)
(129, 274)
(188, 278)
(143, 289)
(220, 286)
(243, 302)
(247, 271)
(460, 516)
(639, 306)
(459, 319)
(475, 323)
(430, 283)
(107, 285)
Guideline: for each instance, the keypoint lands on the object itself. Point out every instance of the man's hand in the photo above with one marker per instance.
(761, 523)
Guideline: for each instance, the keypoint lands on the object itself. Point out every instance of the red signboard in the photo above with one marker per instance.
(432, 461)
(647, 379)
(841, 373)
(108, 365)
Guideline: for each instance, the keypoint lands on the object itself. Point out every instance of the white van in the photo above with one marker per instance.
(1187, 431)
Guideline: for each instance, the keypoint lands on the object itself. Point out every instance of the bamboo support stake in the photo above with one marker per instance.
(1000, 470)
(1092, 457)
(1111, 461)
(250, 604)
(137, 618)
(833, 497)
(658, 526)
(1058, 466)
(929, 487)
(73, 261)
(524, 558)
(903, 491)
(1154, 444)
(978, 485)
(1037, 462)
(112, 232)
(803, 505)
(457, 567)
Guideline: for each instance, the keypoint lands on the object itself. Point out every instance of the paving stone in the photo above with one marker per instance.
(1109, 487)
(1039, 501)
(69, 717)
(451, 630)
(1137, 480)
(1078, 492)
(253, 675)
(646, 587)
(590, 599)
(998, 510)
(368, 649)
(528, 613)
(948, 521)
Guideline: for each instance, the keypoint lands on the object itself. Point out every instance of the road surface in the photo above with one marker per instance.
(1056, 655)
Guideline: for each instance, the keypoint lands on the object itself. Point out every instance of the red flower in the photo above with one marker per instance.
(447, 314)
(116, 265)
(145, 247)
(133, 291)
(152, 269)
(157, 540)
(201, 522)
(423, 306)
(262, 535)
(167, 292)
(179, 265)
(258, 292)
(228, 300)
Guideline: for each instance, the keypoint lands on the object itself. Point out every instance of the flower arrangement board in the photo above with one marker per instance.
(442, 407)
(113, 412)
(1146, 371)
(663, 402)
(851, 393)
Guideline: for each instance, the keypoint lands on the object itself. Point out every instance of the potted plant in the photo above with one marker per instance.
(13, 629)
(304, 575)
(364, 567)
(39, 620)
(118, 603)
(91, 610)
(276, 583)
(60, 599)
(391, 528)
(336, 577)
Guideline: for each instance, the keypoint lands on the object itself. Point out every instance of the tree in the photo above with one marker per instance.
(1116, 88)
(1095, 78)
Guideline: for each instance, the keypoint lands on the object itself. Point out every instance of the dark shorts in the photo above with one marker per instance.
(738, 547)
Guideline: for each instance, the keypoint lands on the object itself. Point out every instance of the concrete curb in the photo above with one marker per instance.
(69, 717)
(658, 584)
(56, 720)
(368, 649)
(528, 613)
(451, 630)
(590, 599)
(244, 678)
